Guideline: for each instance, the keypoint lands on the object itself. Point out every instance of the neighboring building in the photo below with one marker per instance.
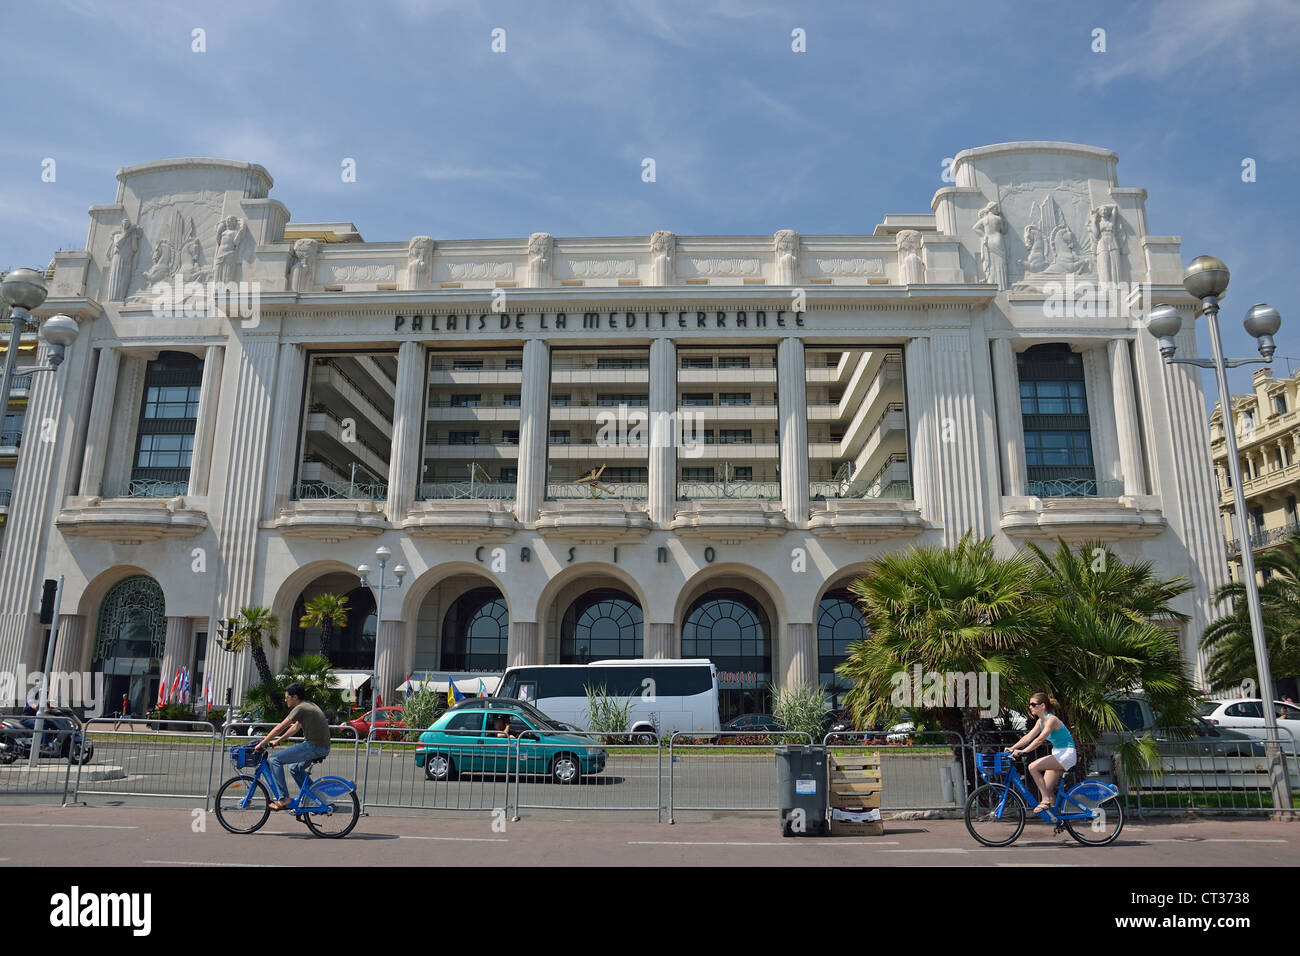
(1267, 424)
(592, 447)
(15, 418)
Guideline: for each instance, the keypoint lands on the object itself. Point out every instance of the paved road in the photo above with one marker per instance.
(51, 836)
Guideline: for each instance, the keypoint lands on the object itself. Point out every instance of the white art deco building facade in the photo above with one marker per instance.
(590, 447)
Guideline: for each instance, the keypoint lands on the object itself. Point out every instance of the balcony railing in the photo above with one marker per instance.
(4, 498)
(632, 490)
(344, 490)
(881, 488)
(1265, 539)
(689, 490)
(21, 383)
(11, 439)
(488, 490)
(148, 488)
(1076, 488)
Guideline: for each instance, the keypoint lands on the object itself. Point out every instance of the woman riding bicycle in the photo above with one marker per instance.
(316, 743)
(1047, 771)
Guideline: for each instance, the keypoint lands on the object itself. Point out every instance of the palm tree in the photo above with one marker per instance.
(326, 611)
(964, 610)
(316, 674)
(1228, 638)
(253, 626)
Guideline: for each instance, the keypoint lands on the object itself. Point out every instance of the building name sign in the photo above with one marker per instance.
(737, 677)
(600, 321)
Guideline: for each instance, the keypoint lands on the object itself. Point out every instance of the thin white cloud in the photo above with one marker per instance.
(463, 173)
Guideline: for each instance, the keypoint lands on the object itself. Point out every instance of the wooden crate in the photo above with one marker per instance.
(854, 783)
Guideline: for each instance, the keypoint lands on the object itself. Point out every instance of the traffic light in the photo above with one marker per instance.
(47, 601)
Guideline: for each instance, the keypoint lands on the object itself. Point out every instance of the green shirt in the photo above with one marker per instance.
(315, 728)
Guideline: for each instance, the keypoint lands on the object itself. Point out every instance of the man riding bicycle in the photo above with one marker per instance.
(311, 720)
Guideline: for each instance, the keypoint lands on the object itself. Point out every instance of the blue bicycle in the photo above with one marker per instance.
(996, 810)
(328, 806)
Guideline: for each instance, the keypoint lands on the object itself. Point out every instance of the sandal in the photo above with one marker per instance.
(278, 805)
(1041, 807)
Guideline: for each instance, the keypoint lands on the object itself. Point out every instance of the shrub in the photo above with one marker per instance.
(606, 714)
(801, 708)
(422, 709)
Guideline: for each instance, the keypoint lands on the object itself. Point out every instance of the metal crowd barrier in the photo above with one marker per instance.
(175, 758)
(611, 772)
(733, 777)
(926, 771)
(475, 779)
(51, 774)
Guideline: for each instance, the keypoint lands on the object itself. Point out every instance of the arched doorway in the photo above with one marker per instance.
(129, 641)
(601, 624)
(351, 647)
(476, 632)
(732, 629)
(840, 623)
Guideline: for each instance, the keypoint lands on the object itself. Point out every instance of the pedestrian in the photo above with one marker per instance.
(123, 711)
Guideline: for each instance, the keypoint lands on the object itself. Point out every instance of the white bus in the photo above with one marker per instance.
(666, 695)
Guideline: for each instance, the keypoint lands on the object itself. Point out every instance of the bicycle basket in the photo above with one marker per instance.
(243, 757)
(992, 767)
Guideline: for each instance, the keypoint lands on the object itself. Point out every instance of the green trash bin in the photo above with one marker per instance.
(801, 789)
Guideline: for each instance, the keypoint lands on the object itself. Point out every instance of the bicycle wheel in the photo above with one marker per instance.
(1103, 828)
(339, 819)
(236, 815)
(995, 815)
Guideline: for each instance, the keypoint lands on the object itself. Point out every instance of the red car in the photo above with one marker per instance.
(387, 717)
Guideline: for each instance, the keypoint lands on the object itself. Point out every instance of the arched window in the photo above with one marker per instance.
(730, 628)
(840, 623)
(352, 647)
(129, 641)
(476, 632)
(603, 623)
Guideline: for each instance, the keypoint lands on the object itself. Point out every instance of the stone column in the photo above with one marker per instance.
(390, 658)
(1101, 420)
(178, 651)
(792, 396)
(1011, 432)
(292, 367)
(408, 429)
(101, 415)
(70, 651)
(523, 648)
(1126, 421)
(799, 656)
(663, 431)
(534, 419)
(961, 474)
(662, 640)
(120, 453)
(209, 401)
(922, 450)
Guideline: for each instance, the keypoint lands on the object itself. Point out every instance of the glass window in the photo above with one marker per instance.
(510, 400)
(469, 720)
(171, 401)
(696, 361)
(509, 474)
(742, 473)
(467, 365)
(463, 438)
(733, 361)
(733, 398)
(1248, 708)
(510, 436)
(697, 398)
(603, 623)
(1279, 404)
(559, 436)
(165, 451)
(735, 436)
(561, 400)
(514, 364)
(697, 474)
(466, 400)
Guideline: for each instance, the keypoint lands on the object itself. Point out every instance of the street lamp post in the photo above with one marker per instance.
(22, 290)
(1207, 279)
(383, 554)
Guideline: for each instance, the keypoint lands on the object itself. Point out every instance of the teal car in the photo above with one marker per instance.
(466, 739)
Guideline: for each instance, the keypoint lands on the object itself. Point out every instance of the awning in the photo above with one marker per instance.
(350, 680)
(469, 686)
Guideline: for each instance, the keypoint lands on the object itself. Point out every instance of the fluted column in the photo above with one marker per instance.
(663, 431)
(101, 416)
(178, 651)
(1101, 420)
(961, 475)
(1126, 421)
(408, 429)
(799, 656)
(534, 419)
(209, 401)
(390, 658)
(1011, 432)
(792, 391)
(291, 369)
(925, 433)
(523, 647)
(120, 452)
(661, 640)
(70, 644)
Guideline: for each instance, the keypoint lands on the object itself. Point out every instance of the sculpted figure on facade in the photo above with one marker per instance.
(1037, 260)
(663, 253)
(540, 245)
(911, 266)
(225, 264)
(786, 243)
(419, 263)
(122, 249)
(302, 269)
(1107, 244)
(1067, 258)
(992, 229)
(161, 269)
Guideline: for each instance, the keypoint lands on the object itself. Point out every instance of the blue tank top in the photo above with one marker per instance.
(1061, 737)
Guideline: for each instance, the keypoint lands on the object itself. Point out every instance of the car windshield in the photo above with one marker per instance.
(1208, 707)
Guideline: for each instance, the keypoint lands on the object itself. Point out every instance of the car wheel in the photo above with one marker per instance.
(565, 769)
(644, 738)
(439, 767)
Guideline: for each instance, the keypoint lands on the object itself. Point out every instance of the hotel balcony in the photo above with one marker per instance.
(336, 390)
(1275, 479)
(1263, 540)
(10, 443)
(1079, 510)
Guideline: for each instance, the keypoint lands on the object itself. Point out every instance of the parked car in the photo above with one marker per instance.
(463, 740)
(1199, 738)
(755, 723)
(1246, 715)
(63, 738)
(382, 718)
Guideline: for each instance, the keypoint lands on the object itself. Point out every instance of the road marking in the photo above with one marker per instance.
(748, 843)
(1038, 864)
(457, 839)
(207, 863)
(937, 850)
(1209, 840)
(73, 826)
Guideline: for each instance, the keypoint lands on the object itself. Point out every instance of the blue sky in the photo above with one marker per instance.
(456, 141)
